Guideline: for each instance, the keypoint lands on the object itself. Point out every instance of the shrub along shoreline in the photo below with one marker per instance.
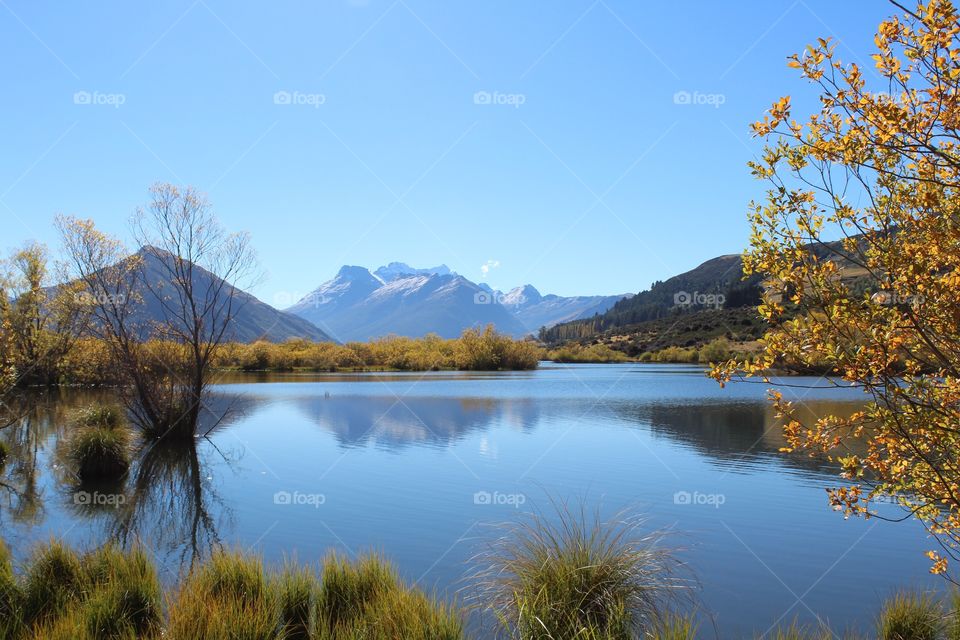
(89, 360)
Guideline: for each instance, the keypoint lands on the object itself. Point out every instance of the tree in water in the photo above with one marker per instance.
(165, 311)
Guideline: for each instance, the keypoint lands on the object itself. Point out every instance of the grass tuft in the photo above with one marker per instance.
(98, 415)
(99, 453)
(911, 616)
(296, 589)
(53, 580)
(577, 574)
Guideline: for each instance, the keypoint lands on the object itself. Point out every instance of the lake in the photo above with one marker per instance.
(418, 466)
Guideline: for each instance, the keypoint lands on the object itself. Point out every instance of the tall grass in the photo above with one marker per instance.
(578, 577)
(367, 599)
(231, 596)
(227, 597)
(911, 616)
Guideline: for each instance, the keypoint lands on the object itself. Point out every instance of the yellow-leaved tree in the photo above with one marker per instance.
(859, 241)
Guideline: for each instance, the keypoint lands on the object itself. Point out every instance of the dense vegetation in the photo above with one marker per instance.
(476, 350)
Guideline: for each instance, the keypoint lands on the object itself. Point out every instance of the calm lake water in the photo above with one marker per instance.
(418, 466)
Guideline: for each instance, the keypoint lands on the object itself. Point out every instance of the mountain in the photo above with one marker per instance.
(253, 320)
(396, 270)
(357, 305)
(714, 295)
(717, 284)
(398, 299)
(535, 310)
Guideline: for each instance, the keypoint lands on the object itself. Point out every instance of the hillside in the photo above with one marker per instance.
(252, 319)
(689, 309)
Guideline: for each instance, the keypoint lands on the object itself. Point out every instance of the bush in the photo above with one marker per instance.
(911, 616)
(99, 452)
(717, 350)
(593, 353)
(559, 580)
(475, 350)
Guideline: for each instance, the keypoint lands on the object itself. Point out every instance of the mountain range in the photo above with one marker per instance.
(252, 319)
(358, 305)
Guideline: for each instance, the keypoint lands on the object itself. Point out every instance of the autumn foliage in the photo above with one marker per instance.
(877, 167)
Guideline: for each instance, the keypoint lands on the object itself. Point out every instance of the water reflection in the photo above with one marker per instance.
(172, 498)
(734, 434)
(397, 422)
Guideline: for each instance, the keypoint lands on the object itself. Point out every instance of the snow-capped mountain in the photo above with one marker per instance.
(398, 299)
(535, 310)
(396, 270)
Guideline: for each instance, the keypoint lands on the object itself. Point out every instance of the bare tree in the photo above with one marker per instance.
(166, 310)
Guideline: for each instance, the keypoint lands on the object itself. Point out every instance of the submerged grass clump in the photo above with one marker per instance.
(99, 453)
(578, 576)
(99, 415)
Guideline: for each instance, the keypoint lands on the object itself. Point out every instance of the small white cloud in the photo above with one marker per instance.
(489, 266)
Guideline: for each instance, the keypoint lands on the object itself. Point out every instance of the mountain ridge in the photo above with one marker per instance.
(358, 304)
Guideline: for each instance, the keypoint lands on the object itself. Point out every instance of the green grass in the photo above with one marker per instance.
(99, 453)
(578, 577)
(53, 580)
(367, 599)
(226, 597)
(296, 588)
(911, 616)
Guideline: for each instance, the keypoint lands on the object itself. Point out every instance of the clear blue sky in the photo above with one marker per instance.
(576, 171)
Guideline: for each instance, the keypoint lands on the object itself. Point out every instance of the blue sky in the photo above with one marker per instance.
(541, 139)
